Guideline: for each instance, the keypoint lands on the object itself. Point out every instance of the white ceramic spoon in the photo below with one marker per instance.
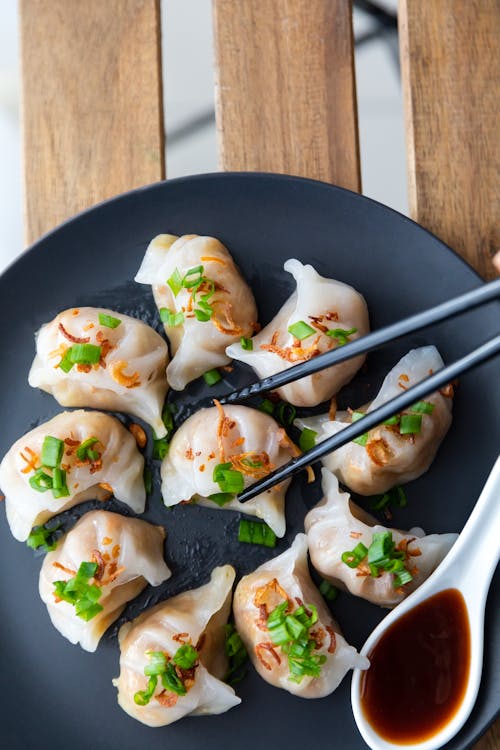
(468, 567)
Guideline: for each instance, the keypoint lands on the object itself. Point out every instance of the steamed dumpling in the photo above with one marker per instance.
(247, 439)
(128, 370)
(336, 525)
(213, 308)
(114, 465)
(324, 305)
(127, 553)
(195, 618)
(389, 458)
(285, 582)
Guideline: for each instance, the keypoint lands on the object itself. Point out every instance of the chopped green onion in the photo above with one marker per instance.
(362, 439)
(186, 656)
(422, 407)
(211, 377)
(41, 481)
(410, 424)
(267, 406)
(382, 546)
(52, 451)
(341, 334)
(142, 697)
(157, 663)
(236, 654)
(148, 480)
(221, 498)
(167, 418)
(193, 277)
(253, 532)
(59, 486)
(301, 330)
(392, 420)
(82, 452)
(285, 413)
(203, 315)
(228, 479)
(175, 282)
(42, 537)
(160, 448)
(355, 556)
(251, 464)
(171, 319)
(84, 354)
(246, 344)
(401, 578)
(307, 439)
(66, 364)
(78, 592)
(395, 496)
(171, 680)
(108, 321)
(328, 591)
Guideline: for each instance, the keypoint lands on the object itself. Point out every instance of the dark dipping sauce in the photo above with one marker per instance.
(419, 670)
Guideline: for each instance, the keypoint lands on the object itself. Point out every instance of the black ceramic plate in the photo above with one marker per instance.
(56, 695)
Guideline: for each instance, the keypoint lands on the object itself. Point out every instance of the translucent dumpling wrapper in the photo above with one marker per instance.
(127, 554)
(123, 368)
(246, 440)
(113, 466)
(285, 581)
(334, 314)
(336, 525)
(211, 305)
(196, 618)
(388, 457)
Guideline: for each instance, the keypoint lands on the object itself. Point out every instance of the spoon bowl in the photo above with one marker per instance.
(468, 568)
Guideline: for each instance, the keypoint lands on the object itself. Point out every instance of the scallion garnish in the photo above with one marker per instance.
(329, 592)
(301, 330)
(160, 448)
(59, 486)
(307, 439)
(422, 407)
(266, 406)
(254, 532)
(341, 335)
(221, 498)
(84, 354)
(211, 377)
(160, 445)
(285, 413)
(381, 556)
(175, 282)
(52, 451)
(193, 277)
(228, 479)
(84, 451)
(148, 480)
(290, 631)
(246, 344)
(171, 319)
(395, 496)
(162, 666)
(41, 537)
(108, 321)
(80, 593)
(362, 439)
(41, 481)
(236, 654)
(410, 424)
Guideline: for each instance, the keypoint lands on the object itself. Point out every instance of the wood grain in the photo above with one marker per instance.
(450, 65)
(285, 88)
(92, 111)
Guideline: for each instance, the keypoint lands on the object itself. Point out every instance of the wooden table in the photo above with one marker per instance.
(285, 100)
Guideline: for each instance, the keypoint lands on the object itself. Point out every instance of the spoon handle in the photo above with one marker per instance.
(477, 550)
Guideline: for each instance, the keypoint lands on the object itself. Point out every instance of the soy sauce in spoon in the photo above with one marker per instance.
(429, 653)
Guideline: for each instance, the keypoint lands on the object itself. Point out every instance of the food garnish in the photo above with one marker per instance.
(256, 532)
(381, 556)
(176, 672)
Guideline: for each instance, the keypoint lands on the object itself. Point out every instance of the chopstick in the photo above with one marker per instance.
(448, 309)
(439, 379)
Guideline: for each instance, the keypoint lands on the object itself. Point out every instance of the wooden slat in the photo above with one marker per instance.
(285, 88)
(91, 104)
(450, 63)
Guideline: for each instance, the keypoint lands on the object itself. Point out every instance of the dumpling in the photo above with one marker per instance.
(289, 633)
(388, 457)
(204, 302)
(323, 314)
(90, 455)
(337, 526)
(97, 567)
(244, 441)
(89, 356)
(188, 631)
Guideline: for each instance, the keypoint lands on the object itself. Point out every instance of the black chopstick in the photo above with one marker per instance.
(376, 417)
(449, 309)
